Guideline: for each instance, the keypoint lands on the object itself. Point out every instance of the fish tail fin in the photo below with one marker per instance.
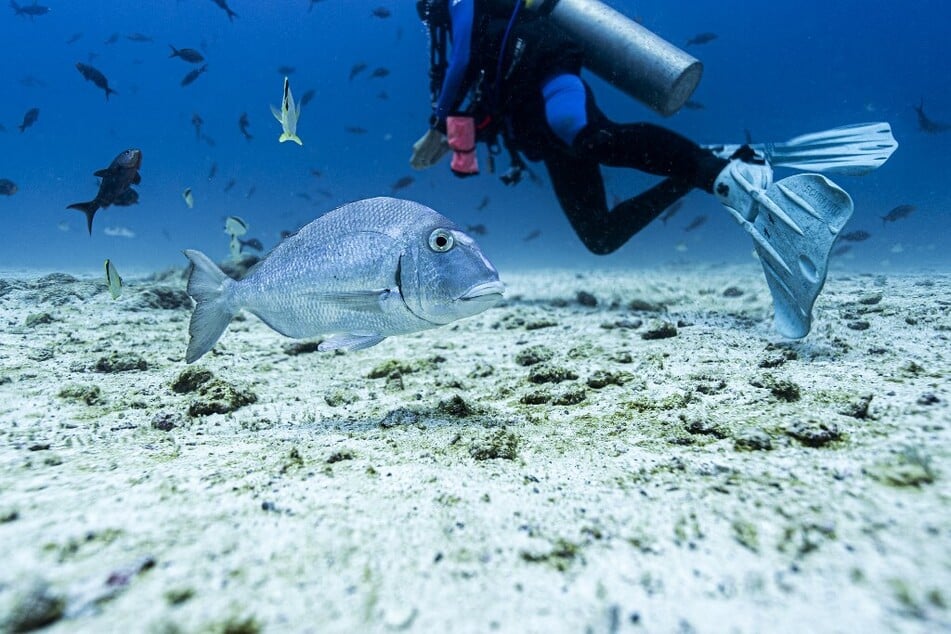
(174, 51)
(290, 137)
(110, 91)
(211, 289)
(89, 209)
(16, 7)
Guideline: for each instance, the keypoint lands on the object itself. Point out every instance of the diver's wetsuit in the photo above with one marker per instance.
(550, 115)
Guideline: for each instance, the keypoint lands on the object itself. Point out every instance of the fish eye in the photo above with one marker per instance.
(440, 240)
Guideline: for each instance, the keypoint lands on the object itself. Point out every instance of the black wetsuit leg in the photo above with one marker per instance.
(579, 186)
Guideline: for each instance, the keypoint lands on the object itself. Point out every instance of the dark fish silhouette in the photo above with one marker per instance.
(402, 183)
(208, 140)
(534, 233)
(382, 95)
(121, 174)
(307, 97)
(224, 7)
(29, 118)
(252, 243)
(29, 81)
(483, 204)
(693, 105)
(356, 69)
(701, 38)
(845, 248)
(7, 187)
(899, 212)
(138, 37)
(229, 185)
(30, 10)
(696, 222)
(304, 196)
(672, 210)
(380, 72)
(91, 74)
(381, 12)
(189, 55)
(196, 123)
(75, 37)
(353, 129)
(927, 125)
(316, 173)
(477, 230)
(212, 171)
(310, 7)
(195, 74)
(855, 236)
(251, 192)
(112, 39)
(244, 124)
(286, 70)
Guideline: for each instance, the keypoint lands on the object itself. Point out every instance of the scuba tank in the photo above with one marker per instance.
(625, 54)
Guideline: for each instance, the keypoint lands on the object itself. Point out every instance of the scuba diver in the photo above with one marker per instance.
(513, 73)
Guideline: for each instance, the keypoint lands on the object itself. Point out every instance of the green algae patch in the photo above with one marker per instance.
(562, 554)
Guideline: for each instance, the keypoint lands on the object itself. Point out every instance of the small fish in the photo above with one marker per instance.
(121, 174)
(326, 193)
(690, 104)
(212, 171)
(118, 232)
(138, 37)
(483, 204)
(672, 210)
(408, 269)
(189, 55)
(381, 12)
(855, 236)
(229, 185)
(243, 124)
(382, 95)
(353, 129)
(380, 72)
(224, 7)
(91, 74)
(193, 75)
(307, 97)
(696, 222)
(310, 6)
(303, 196)
(75, 37)
(899, 212)
(287, 116)
(29, 81)
(402, 183)
(356, 69)
(7, 187)
(533, 234)
(235, 226)
(842, 250)
(251, 191)
(286, 70)
(30, 10)
(188, 197)
(127, 198)
(929, 126)
(253, 244)
(113, 281)
(701, 38)
(112, 39)
(477, 230)
(210, 142)
(196, 123)
(316, 173)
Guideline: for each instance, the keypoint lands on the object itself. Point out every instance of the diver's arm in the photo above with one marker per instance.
(462, 15)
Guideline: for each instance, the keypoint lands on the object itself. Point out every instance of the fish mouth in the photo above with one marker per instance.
(485, 292)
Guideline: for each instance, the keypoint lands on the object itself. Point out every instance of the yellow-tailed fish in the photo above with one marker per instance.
(189, 199)
(287, 116)
(113, 281)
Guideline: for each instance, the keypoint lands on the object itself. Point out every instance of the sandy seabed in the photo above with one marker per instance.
(607, 451)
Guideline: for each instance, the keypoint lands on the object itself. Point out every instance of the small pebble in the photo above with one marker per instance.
(814, 433)
(659, 329)
(586, 299)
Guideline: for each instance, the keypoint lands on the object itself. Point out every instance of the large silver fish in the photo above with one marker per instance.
(362, 272)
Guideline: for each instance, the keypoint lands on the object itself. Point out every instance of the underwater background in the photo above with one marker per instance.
(775, 69)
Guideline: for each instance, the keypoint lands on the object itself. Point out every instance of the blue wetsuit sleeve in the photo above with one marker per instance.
(462, 14)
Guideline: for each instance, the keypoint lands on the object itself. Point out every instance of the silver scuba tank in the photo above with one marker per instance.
(625, 54)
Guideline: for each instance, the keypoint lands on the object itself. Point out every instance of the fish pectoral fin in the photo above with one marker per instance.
(349, 342)
(362, 301)
(101, 173)
(277, 114)
(136, 179)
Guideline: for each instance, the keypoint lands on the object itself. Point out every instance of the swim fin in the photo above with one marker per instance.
(797, 221)
(852, 149)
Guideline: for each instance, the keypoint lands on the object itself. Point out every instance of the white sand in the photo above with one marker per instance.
(635, 509)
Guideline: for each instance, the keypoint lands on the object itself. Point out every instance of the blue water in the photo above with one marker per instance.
(776, 69)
